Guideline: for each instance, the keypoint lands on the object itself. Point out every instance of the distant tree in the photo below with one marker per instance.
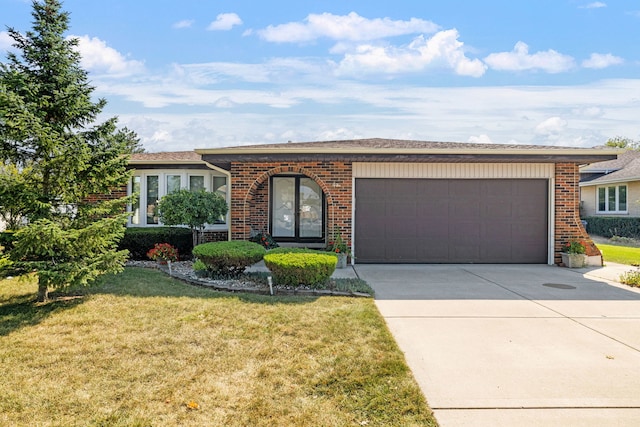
(192, 208)
(623, 142)
(52, 145)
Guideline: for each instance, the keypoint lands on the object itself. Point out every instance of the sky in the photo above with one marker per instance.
(205, 74)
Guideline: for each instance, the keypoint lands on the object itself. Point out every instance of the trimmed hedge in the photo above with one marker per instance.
(613, 226)
(287, 250)
(301, 268)
(228, 259)
(138, 240)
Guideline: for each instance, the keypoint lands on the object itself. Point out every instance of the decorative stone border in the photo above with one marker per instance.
(219, 285)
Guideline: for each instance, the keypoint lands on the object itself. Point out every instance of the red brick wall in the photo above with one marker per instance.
(116, 193)
(249, 194)
(568, 226)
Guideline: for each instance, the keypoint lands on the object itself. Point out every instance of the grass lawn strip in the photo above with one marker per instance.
(620, 254)
(143, 349)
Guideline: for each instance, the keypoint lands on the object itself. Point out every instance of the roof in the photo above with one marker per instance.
(166, 157)
(404, 151)
(625, 168)
(379, 145)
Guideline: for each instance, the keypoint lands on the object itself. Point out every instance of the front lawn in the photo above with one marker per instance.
(141, 349)
(620, 254)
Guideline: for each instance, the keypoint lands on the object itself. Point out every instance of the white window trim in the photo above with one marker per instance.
(606, 199)
(162, 175)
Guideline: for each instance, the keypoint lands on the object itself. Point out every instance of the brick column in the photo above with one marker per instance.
(567, 210)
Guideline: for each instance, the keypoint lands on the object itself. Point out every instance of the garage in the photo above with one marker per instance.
(416, 220)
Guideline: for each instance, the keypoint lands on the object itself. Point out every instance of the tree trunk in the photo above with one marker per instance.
(43, 290)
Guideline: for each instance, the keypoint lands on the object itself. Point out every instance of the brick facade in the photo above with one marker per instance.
(568, 225)
(250, 194)
(250, 198)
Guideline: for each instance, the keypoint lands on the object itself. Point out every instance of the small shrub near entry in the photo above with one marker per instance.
(228, 259)
(296, 269)
(265, 239)
(163, 252)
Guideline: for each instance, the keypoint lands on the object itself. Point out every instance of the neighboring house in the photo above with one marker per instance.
(612, 187)
(157, 174)
(394, 201)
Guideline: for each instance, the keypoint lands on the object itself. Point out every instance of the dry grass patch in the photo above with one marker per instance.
(141, 349)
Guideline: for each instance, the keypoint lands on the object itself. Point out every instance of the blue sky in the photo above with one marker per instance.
(203, 74)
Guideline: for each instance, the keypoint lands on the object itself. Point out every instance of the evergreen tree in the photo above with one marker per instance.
(50, 137)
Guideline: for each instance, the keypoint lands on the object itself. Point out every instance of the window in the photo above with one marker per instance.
(135, 206)
(173, 183)
(612, 199)
(152, 199)
(151, 185)
(196, 183)
(297, 209)
(220, 187)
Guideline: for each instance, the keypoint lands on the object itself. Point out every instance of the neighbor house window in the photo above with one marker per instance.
(612, 199)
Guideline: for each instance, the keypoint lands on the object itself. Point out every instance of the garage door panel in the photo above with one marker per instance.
(451, 220)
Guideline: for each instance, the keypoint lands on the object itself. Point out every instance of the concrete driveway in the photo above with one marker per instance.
(516, 345)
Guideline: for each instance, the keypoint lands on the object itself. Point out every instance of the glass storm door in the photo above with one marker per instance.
(297, 209)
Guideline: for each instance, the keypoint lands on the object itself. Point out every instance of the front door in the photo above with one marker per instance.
(297, 209)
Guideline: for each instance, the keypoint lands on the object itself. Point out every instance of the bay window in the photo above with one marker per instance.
(151, 185)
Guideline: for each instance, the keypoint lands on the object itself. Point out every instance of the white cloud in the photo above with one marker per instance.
(600, 60)
(351, 27)
(551, 126)
(480, 139)
(442, 50)
(5, 40)
(185, 23)
(102, 59)
(594, 5)
(519, 59)
(225, 22)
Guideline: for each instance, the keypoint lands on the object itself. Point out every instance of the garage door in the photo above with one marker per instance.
(451, 220)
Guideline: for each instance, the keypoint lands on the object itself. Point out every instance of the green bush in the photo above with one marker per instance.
(286, 250)
(302, 268)
(138, 240)
(631, 278)
(613, 226)
(228, 259)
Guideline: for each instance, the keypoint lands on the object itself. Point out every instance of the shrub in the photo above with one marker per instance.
(163, 252)
(287, 250)
(139, 240)
(631, 278)
(302, 268)
(228, 259)
(613, 226)
(265, 239)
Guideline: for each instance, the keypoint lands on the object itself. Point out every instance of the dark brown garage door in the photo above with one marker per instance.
(451, 220)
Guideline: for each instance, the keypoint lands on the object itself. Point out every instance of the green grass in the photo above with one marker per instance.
(141, 349)
(620, 254)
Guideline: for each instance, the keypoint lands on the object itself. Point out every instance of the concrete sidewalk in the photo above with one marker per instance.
(516, 345)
